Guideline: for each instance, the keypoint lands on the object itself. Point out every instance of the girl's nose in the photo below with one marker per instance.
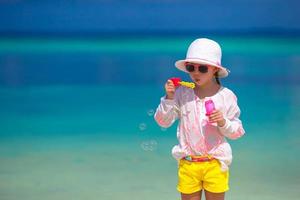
(196, 71)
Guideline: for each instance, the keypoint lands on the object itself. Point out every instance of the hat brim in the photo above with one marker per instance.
(180, 64)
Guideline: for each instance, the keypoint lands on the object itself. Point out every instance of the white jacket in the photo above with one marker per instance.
(196, 136)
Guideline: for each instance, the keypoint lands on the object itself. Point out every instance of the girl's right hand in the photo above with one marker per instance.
(170, 89)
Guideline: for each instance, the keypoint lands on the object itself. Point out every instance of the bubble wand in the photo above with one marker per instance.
(177, 82)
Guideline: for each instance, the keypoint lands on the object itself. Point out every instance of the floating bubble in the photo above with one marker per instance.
(142, 126)
(153, 143)
(144, 146)
(163, 129)
(150, 145)
(150, 112)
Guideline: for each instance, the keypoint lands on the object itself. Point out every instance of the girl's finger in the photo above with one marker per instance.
(169, 82)
(214, 115)
(218, 113)
(213, 120)
(214, 111)
(216, 118)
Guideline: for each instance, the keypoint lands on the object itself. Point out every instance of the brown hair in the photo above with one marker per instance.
(217, 78)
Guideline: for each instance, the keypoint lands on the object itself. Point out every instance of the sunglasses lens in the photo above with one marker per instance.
(203, 68)
(190, 68)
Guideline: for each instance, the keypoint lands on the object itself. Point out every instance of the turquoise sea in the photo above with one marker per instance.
(76, 118)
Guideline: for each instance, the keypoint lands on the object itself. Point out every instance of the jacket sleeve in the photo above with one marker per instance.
(233, 127)
(167, 112)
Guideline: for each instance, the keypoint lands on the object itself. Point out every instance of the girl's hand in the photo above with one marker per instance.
(217, 117)
(170, 89)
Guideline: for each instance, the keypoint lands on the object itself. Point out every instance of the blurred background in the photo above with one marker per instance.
(80, 82)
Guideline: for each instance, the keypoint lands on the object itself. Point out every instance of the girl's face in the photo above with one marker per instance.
(201, 74)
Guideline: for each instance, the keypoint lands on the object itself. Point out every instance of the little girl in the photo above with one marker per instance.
(203, 154)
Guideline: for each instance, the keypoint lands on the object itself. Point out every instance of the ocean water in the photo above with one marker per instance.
(78, 124)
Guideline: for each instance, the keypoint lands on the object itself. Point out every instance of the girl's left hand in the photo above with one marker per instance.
(217, 117)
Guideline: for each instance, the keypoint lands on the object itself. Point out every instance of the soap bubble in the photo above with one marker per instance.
(142, 126)
(150, 112)
(163, 129)
(145, 145)
(153, 144)
(150, 145)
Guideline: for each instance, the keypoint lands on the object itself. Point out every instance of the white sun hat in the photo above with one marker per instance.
(204, 51)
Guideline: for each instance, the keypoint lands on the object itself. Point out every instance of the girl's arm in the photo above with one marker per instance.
(167, 112)
(233, 127)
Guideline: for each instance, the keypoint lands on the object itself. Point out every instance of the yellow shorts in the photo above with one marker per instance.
(195, 176)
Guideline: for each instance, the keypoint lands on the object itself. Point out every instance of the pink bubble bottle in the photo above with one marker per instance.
(209, 107)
